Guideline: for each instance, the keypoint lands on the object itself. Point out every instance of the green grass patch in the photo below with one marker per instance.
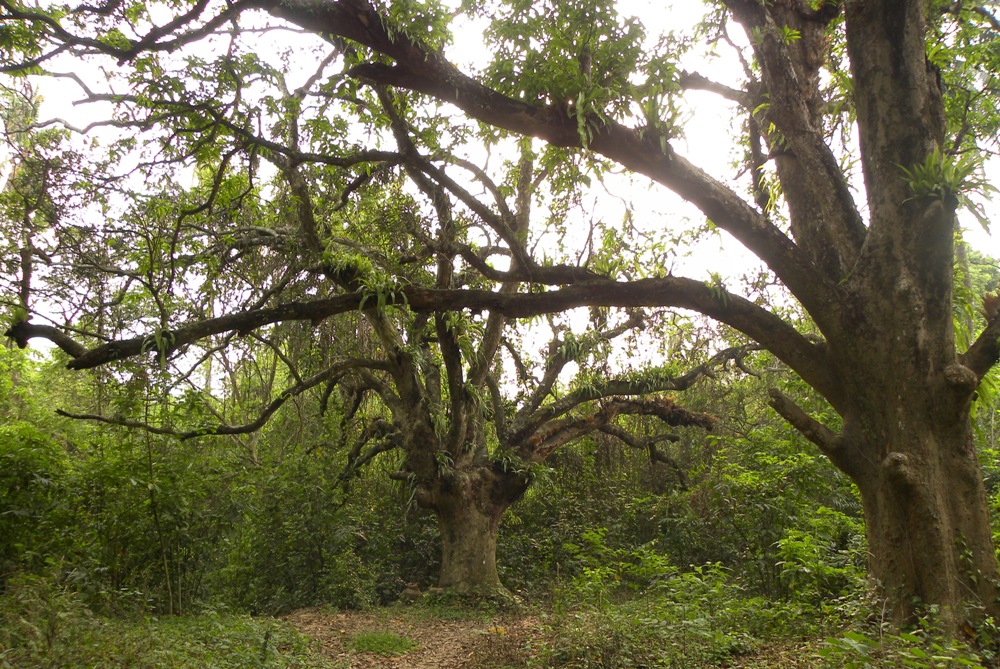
(382, 642)
(183, 642)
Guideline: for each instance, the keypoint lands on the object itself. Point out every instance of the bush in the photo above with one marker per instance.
(687, 619)
(32, 469)
(825, 560)
(44, 624)
(920, 650)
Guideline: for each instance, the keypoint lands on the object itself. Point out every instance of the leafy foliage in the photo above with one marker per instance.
(954, 180)
(44, 624)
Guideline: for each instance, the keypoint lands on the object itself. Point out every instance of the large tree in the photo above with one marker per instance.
(902, 87)
(382, 378)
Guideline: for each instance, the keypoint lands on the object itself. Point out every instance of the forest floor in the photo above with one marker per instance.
(444, 642)
(458, 642)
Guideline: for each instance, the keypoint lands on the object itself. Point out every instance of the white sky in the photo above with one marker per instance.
(711, 138)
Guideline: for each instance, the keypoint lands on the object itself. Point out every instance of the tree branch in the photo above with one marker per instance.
(559, 432)
(560, 354)
(649, 445)
(985, 351)
(246, 428)
(422, 69)
(695, 81)
(829, 442)
(528, 424)
(22, 332)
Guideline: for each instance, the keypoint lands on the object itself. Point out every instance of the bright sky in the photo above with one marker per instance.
(710, 140)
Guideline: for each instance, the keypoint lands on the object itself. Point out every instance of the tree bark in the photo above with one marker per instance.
(908, 442)
(469, 504)
(929, 535)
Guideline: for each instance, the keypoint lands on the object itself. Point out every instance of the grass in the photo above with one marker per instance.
(191, 642)
(45, 626)
(382, 642)
(694, 622)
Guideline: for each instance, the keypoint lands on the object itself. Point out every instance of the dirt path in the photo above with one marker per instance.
(443, 643)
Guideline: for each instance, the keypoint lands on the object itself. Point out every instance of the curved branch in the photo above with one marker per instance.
(259, 422)
(985, 351)
(377, 429)
(243, 322)
(424, 70)
(559, 357)
(23, 332)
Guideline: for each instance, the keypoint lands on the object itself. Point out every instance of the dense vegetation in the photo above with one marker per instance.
(746, 539)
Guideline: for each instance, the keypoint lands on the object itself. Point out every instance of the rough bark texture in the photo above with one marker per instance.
(469, 504)
(907, 443)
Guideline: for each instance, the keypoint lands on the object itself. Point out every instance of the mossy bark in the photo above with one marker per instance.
(469, 504)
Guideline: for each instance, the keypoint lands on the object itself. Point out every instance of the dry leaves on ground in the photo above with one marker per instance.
(443, 644)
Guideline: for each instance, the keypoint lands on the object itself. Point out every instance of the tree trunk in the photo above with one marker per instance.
(469, 548)
(929, 535)
(469, 504)
(908, 445)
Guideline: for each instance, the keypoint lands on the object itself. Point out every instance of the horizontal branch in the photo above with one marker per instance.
(807, 359)
(695, 81)
(246, 428)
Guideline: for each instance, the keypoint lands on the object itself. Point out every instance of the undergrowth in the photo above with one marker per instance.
(634, 609)
(642, 613)
(45, 625)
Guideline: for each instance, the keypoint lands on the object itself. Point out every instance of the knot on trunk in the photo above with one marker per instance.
(963, 382)
(961, 378)
(898, 469)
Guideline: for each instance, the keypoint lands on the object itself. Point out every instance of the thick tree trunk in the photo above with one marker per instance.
(469, 548)
(908, 445)
(469, 504)
(929, 535)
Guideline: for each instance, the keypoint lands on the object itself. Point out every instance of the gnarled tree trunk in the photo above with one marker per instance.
(907, 440)
(929, 536)
(469, 504)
